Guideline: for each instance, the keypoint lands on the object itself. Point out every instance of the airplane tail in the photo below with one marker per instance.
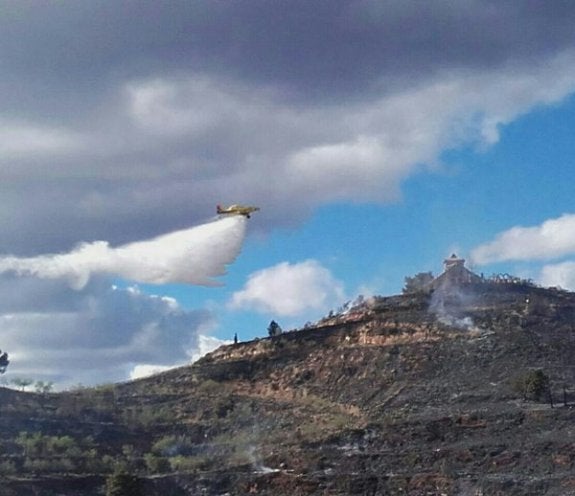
(219, 209)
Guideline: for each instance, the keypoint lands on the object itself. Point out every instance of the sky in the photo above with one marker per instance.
(377, 137)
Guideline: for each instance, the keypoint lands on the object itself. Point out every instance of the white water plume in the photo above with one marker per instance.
(194, 256)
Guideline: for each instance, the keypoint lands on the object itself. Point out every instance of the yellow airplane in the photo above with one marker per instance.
(237, 210)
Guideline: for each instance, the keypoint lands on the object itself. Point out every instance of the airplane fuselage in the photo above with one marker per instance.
(244, 210)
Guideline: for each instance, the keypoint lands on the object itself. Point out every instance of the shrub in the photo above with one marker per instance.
(418, 283)
(46, 465)
(147, 416)
(123, 484)
(172, 445)
(37, 444)
(532, 385)
(187, 463)
(156, 464)
(209, 387)
(96, 464)
(7, 467)
(61, 445)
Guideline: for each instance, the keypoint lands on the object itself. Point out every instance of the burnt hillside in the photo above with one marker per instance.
(431, 393)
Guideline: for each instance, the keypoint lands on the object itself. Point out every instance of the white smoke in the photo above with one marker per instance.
(448, 314)
(194, 256)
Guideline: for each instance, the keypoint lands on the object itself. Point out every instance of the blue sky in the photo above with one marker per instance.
(473, 194)
(377, 137)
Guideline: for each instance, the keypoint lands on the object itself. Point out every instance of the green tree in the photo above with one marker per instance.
(43, 387)
(417, 283)
(156, 464)
(122, 483)
(3, 361)
(274, 329)
(22, 383)
(533, 385)
(32, 444)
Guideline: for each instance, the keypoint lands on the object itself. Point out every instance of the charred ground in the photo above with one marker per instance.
(413, 394)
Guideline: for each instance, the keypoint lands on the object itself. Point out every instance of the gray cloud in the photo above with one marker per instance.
(124, 120)
(172, 148)
(314, 49)
(95, 335)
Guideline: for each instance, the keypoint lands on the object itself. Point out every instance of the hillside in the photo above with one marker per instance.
(421, 394)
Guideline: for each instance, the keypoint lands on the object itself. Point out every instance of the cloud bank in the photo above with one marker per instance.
(552, 239)
(290, 289)
(193, 256)
(63, 321)
(95, 335)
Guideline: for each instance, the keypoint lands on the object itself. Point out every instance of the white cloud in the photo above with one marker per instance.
(551, 239)
(289, 289)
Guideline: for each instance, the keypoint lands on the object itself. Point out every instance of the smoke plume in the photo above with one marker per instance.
(193, 256)
(447, 305)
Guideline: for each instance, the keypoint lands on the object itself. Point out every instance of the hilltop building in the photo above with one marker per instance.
(454, 274)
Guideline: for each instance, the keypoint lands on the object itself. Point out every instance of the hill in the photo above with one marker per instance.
(466, 391)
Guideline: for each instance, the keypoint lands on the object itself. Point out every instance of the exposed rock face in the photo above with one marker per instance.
(410, 394)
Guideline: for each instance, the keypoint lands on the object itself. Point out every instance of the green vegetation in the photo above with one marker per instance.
(36, 444)
(182, 463)
(274, 329)
(43, 387)
(156, 464)
(22, 383)
(171, 445)
(34, 452)
(8, 467)
(146, 416)
(417, 283)
(122, 483)
(534, 385)
(4, 362)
